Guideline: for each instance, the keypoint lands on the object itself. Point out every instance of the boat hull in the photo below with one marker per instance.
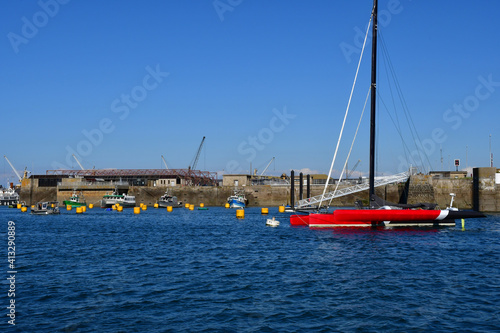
(45, 212)
(236, 204)
(382, 217)
(172, 201)
(124, 204)
(73, 204)
(9, 202)
(165, 204)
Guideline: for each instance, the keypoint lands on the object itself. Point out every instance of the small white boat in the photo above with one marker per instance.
(272, 222)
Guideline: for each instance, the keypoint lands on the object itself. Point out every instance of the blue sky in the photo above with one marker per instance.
(121, 83)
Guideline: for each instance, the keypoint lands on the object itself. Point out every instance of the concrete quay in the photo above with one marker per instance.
(480, 192)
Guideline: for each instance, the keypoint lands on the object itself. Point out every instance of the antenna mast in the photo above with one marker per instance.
(373, 100)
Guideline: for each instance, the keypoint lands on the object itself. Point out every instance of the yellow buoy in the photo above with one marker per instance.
(52, 205)
(79, 210)
(137, 210)
(202, 205)
(114, 207)
(19, 206)
(264, 211)
(169, 208)
(84, 208)
(91, 206)
(186, 205)
(144, 207)
(240, 213)
(156, 205)
(119, 209)
(226, 205)
(24, 209)
(191, 207)
(281, 209)
(68, 207)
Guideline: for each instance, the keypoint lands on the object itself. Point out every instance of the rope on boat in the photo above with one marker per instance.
(350, 150)
(346, 112)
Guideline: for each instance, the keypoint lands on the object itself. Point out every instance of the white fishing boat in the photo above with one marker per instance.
(124, 200)
(8, 196)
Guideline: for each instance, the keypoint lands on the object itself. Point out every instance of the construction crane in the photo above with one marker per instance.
(352, 170)
(166, 166)
(15, 171)
(77, 161)
(268, 164)
(197, 156)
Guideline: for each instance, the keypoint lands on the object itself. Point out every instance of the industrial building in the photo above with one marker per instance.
(131, 177)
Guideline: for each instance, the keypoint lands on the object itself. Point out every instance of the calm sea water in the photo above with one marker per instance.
(105, 271)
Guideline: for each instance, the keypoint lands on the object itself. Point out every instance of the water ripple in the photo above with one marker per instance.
(207, 271)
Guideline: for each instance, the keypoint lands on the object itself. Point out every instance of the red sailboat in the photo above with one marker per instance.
(381, 212)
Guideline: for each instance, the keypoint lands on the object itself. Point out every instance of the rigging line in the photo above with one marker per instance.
(346, 112)
(406, 150)
(384, 49)
(352, 145)
(408, 116)
(397, 124)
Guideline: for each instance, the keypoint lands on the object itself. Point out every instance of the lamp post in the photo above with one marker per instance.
(466, 158)
(491, 155)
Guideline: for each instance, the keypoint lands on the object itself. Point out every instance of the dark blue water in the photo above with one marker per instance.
(105, 271)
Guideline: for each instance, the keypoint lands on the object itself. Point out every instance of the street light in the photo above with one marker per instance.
(491, 155)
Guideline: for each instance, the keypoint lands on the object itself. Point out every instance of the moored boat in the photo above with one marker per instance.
(272, 222)
(8, 196)
(380, 212)
(237, 200)
(169, 200)
(45, 208)
(124, 200)
(76, 200)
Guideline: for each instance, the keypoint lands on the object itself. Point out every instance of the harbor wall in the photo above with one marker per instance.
(488, 199)
(422, 188)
